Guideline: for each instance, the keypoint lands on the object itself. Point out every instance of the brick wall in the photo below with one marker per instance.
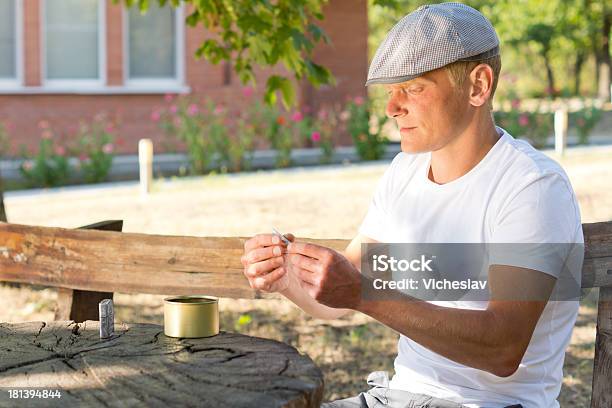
(345, 23)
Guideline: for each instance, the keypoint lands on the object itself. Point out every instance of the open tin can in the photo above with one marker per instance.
(191, 316)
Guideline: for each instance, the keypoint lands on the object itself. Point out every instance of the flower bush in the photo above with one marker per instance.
(217, 138)
(4, 140)
(184, 121)
(533, 125)
(328, 125)
(49, 166)
(585, 120)
(94, 149)
(368, 139)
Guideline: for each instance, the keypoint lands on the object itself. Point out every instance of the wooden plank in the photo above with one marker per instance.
(139, 366)
(81, 305)
(602, 366)
(139, 263)
(126, 262)
(2, 210)
(597, 268)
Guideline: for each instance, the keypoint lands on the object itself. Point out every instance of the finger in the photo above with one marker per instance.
(305, 262)
(290, 236)
(311, 290)
(260, 241)
(261, 254)
(266, 282)
(306, 276)
(305, 248)
(263, 267)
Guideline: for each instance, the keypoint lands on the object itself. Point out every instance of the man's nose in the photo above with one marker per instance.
(394, 108)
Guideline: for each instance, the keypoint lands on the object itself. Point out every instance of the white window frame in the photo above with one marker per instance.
(76, 84)
(17, 81)
(152, 84)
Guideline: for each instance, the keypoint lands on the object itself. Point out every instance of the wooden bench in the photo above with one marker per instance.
(87, 264)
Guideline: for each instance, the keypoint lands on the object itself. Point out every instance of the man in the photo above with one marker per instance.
(459, 178)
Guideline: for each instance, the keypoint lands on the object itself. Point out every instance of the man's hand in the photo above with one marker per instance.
(326, 275)
(263, 262)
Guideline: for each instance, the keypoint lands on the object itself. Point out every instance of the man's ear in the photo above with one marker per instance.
(481, 83)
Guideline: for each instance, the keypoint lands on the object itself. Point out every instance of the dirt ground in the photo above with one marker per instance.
(320, 203)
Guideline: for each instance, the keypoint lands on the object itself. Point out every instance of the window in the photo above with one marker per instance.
(153, 49)
(9, 56)
(73, 42)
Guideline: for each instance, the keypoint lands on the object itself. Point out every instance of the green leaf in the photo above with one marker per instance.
(143, 5)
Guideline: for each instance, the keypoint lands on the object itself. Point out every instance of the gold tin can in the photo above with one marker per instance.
(191, 316)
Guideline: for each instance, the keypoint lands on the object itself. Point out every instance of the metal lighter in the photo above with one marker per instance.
(107, 318)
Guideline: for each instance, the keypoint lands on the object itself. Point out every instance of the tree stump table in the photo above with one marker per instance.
(140, 366)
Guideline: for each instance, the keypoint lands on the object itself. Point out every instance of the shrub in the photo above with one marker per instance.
(95, 150)
(585, 120)
(49, 166)
(369, 141)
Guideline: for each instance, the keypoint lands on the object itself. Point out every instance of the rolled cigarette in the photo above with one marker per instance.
(281, 236)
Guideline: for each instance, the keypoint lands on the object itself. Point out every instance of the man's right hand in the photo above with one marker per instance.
(263, 262)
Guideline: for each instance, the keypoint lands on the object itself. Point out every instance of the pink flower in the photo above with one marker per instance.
(46, 134)
(60, 150)
(169, 97)
(192, 110)
(218, 110)
(173, 109)
(27, 165)
(155, 116)
(524, 119)
(322, 114)
(83, 157)
(359, 100)
(43, 124)
(516, 103)
(315, 136)
(345, 115)
(297, 116)
(109, 128)
(108, 148)
(247, 91)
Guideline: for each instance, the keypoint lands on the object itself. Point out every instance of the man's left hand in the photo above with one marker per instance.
(325, 274)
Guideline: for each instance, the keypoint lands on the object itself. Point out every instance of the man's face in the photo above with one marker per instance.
(429, 111)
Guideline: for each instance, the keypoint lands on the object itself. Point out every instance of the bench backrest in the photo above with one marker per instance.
(104, 261)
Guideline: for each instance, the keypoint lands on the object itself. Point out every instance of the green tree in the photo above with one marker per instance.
(250, 33)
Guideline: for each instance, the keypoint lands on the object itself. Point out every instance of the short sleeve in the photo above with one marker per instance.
(374, 225)
(539, 226)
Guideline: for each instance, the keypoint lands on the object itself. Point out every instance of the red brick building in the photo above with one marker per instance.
(67, 60)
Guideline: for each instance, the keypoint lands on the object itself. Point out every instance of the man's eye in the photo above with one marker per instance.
(416, 89)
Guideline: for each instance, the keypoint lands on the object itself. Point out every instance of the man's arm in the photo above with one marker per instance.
(300, 297)
(492, 340)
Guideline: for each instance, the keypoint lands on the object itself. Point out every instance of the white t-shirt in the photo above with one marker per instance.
(515, 194)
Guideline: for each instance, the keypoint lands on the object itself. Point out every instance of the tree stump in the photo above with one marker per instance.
(140, 366)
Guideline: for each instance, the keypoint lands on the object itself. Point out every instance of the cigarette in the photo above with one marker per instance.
(281, 236)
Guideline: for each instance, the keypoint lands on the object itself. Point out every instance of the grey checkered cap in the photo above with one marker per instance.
(431, 37)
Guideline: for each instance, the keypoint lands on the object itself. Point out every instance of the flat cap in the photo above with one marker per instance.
(429, 38)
